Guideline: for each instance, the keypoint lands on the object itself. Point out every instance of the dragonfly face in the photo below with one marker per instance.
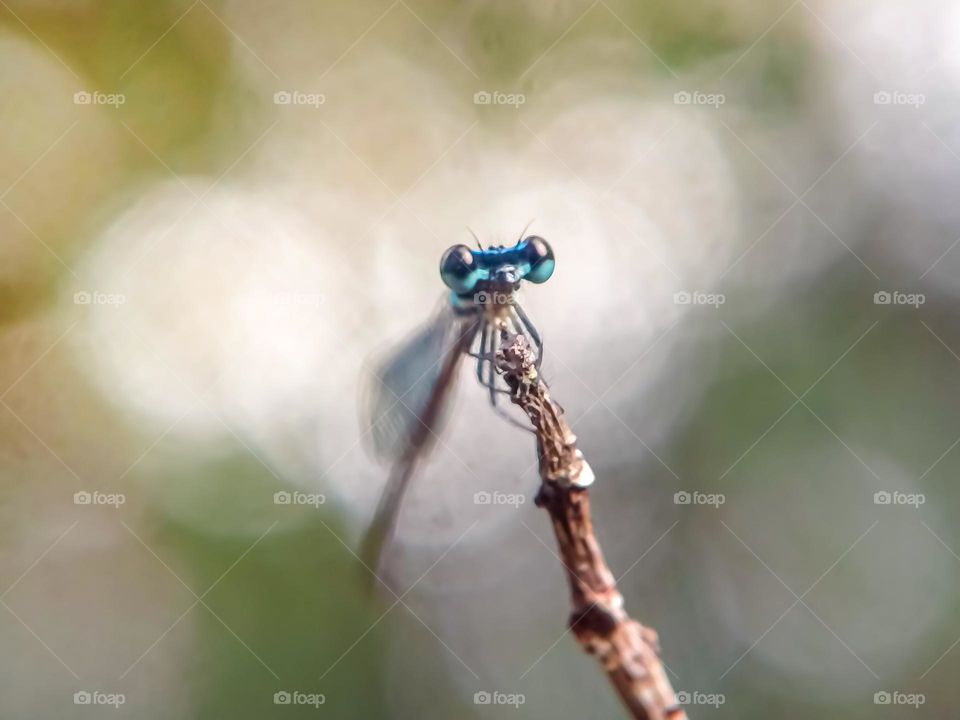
(484, 282)
(495, 270)
(406, 405)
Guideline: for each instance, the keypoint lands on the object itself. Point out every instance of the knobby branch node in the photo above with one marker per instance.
(628, 651)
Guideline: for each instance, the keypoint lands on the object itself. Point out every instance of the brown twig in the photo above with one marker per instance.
(628, 651)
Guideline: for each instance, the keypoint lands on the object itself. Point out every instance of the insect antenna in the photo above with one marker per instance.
(524, 231)
(479, 244)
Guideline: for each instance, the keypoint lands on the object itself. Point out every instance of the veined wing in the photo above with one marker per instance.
(405, 409)
(399, 386)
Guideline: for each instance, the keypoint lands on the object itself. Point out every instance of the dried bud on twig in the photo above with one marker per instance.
(628, 651)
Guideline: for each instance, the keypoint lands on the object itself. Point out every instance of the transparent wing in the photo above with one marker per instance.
(405, 410)
(399, 387)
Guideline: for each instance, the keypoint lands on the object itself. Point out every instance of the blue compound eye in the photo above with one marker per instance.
(458, 269)
(535, 251)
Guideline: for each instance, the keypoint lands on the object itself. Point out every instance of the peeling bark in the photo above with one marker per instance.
(627, 651)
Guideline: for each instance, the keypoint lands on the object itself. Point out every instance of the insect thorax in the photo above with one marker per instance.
(489, 297)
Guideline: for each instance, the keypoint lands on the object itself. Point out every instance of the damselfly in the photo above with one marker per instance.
(406, 403)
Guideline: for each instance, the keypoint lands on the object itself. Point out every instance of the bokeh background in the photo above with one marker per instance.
(213, 214)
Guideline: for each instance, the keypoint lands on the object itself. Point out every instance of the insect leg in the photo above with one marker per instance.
(492, 382)
(481, 354)
(530, 330)
(486, 354)
(492, 370)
